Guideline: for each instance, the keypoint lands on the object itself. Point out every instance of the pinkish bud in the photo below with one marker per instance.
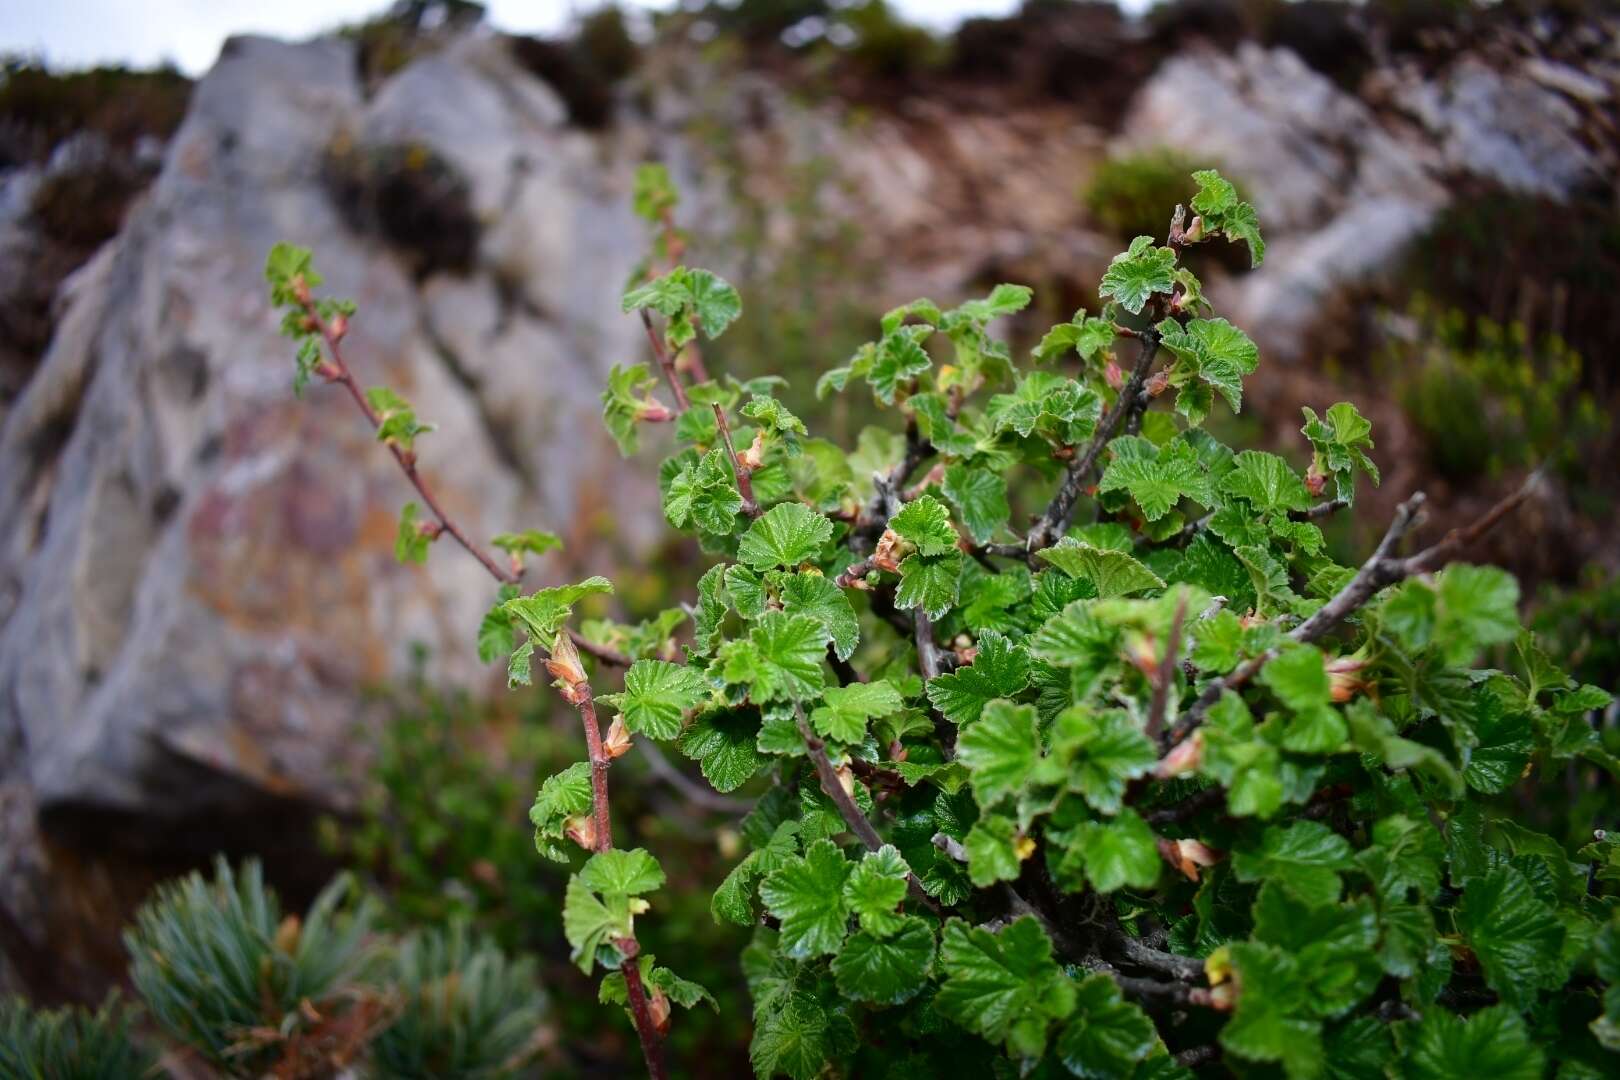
(1315, 480)
(1114, 376)
(1188, 856)
(1185, 757)
(564, 666)
(617, 742)
(887, 554)
(1343, 683)
(339, 326)
(581, 829)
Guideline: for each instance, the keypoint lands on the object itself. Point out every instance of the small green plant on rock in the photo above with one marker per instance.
(1150, 785)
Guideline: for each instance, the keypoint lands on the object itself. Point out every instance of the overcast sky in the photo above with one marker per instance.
(79, 33)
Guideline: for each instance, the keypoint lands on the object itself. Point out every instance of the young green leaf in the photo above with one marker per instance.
(1138, 273)
(807, 896)
(657, 696)
(785, 535)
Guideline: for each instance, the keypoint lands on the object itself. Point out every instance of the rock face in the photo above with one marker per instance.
(1344, 183)
(196, 574)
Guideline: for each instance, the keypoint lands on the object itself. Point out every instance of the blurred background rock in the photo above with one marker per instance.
(205, 643)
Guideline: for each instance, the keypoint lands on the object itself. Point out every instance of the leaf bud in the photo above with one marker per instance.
(1185, 757)
(617, 742)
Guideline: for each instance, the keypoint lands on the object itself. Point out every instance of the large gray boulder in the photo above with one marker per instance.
(196, 573)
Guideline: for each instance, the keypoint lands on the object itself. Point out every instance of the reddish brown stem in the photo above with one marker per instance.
(666, 363)
(578, 690)
(1166, 672)
(652, 1043)
(847, 807)
(337, 371)
(745, 485)
(586, 704)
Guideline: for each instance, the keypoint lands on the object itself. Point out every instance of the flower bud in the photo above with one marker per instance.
(1114, 376)
(1185, 757)
(581, 829)
(339, 326)
(658, 1007)
(564, 665)
(1315, 480)
(1343, 683)
(617, 742)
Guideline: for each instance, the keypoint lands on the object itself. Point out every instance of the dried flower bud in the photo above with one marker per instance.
(1185, 757)
(1188, 856)
(1158, 384)
(887, 554)
(617, 742)
(846, 779)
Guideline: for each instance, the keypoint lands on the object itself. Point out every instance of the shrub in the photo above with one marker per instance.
(1157, 787)
(1488, 398)
(70, 1044)
(1127, 195)
(465, 1010)
(223, 972)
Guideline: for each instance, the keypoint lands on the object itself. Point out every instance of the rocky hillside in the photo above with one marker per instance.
(196, 572)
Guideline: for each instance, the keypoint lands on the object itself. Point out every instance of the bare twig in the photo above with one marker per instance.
(689, 789)
(335, 370)
(1060, 511)
(1382, 569)
(1167, 672)
(745, 485)
(847, 808)
(666, 362)
(928, 653)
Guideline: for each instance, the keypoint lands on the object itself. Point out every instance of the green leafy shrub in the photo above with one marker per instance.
(440, 825)
(70, 1044)
(1581, 624)
(1486, 397)
(1127, 195)
(464, 1009)
(223, 972)
(1152, 785)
